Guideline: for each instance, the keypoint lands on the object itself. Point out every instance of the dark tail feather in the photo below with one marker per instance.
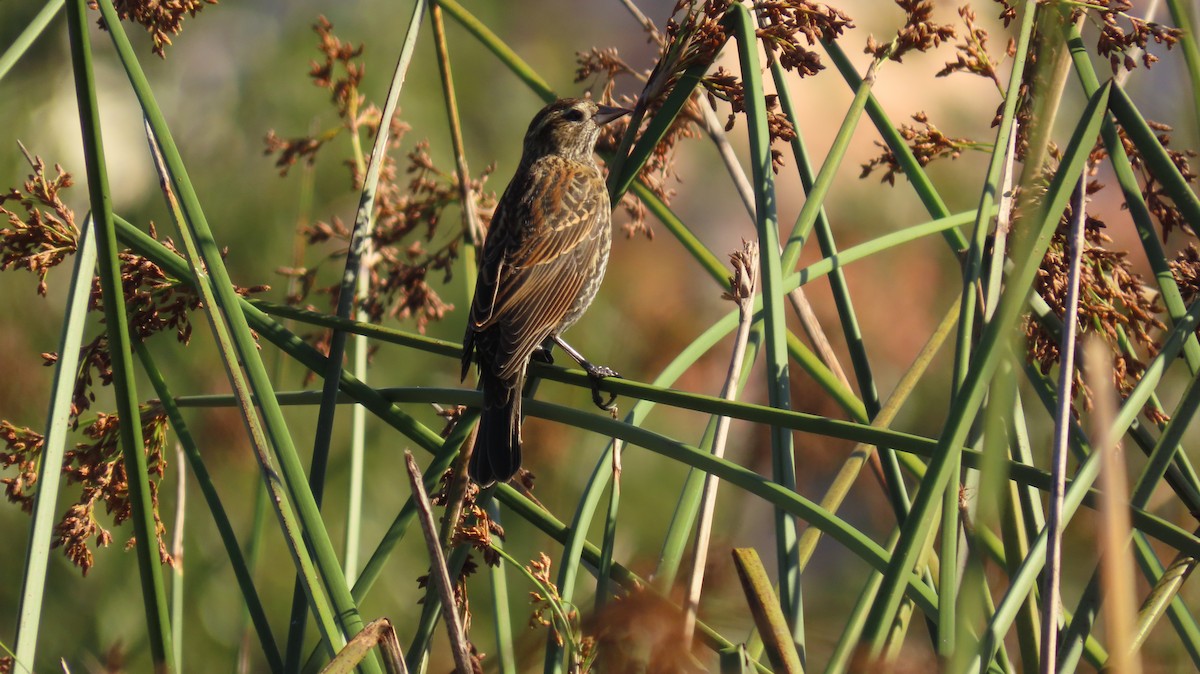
(497, 454)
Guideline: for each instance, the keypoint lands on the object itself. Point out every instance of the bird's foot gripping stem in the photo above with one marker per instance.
(594, 372)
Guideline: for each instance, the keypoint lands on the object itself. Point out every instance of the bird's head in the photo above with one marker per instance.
(568, 127)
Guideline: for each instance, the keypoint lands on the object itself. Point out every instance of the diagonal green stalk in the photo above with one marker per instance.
(1029, 249)
(254, 430)
(851, 331)
(1183, 14)
(908, 162)
(1023, 515)
(972, 271)
(360, 243)
(501, 616)
(241, 570)
(1164, 595)
(154, 597)
(37, 552)
(815, 194)
(291, 471)
(1159, 460)
(1138, 211)
(1025, 576)
(624, 169)
(775, 354)
(497, 46)
(768, 617)
(840, 486)
(27, 37)
(1155, 156)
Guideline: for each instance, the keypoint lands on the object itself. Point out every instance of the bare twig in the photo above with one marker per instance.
(743, 286)
(378, 633)
(440, 575)
(458, 488)
(470, 215)
(177, 565)
(1062, 426)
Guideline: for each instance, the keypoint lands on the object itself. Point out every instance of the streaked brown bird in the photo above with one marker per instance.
(539, 270)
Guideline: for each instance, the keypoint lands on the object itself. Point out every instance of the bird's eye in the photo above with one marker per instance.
(573, 115)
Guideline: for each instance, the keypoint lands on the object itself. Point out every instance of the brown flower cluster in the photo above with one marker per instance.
(971, 53)
(38, 239)
(100, 468)
(406, 219)
(694, 35)
(154, 302)
(474, 527)
(603, 64)
(1116, 42)
(919, 32)
(543, 604)
(45, 233)
(1114, 303)
(160, 18)
(658, 174)
(338, 55)
(927, 144)
(340, 73)
(1158, 201)
(1008, 11)
(42, 232)
(405, 222)
(784, 22)
(1186, 270)
(724, 85)
(694, 38)
(22, 448)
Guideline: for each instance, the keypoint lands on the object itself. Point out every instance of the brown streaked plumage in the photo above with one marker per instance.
(539, 270)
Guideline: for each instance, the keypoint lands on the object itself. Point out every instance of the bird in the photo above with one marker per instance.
(540, 267)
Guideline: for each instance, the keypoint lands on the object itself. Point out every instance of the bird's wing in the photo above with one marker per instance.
(545, 236)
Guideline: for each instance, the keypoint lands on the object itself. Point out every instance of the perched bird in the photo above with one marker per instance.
(539, 269)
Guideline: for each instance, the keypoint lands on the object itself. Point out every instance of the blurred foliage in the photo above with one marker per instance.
(240, 72)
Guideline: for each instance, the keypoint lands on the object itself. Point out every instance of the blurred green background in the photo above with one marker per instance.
(240, 69)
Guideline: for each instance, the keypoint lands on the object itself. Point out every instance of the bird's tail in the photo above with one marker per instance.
(497, 454)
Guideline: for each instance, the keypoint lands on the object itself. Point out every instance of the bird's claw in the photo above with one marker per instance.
(543, 355)
(597, 373)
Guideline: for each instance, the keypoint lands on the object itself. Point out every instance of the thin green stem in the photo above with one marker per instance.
(291, 471)
(1028, 252)
(37, 552)
(154, 598)
(237, 562)
(28, 36)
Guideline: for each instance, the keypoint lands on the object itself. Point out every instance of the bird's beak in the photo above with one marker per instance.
(609, 113)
